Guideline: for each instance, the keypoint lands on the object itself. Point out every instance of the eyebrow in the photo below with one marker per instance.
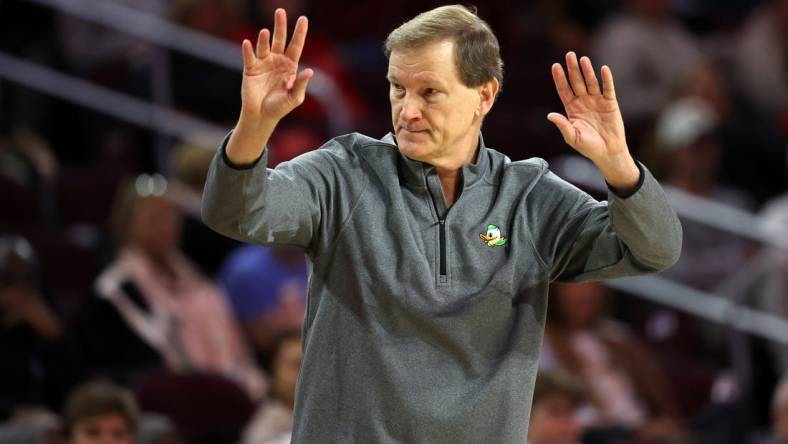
(393, 79)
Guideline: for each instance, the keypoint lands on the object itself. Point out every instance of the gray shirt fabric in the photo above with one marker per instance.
(417, 330)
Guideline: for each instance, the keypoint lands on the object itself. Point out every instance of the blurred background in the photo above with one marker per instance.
(124, 319)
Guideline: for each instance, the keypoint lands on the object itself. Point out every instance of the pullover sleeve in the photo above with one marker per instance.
(300, 203)
(584, 239)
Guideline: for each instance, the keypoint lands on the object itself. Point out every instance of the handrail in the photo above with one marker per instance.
(105, 100)
(170, 35)
(706, 306)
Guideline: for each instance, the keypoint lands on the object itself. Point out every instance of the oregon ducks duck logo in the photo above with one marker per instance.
(493, 237)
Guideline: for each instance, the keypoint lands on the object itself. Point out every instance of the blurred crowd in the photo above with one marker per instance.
(123, 319)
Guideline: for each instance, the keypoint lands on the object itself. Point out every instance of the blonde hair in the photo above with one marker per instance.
(477, 54)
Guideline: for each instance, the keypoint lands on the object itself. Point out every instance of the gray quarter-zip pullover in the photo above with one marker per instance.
(424, 323)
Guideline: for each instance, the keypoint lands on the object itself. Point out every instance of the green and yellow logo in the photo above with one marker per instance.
(493, 237)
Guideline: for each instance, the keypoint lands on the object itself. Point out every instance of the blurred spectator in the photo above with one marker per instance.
(267, 289)
(28, 174)
(647, 49)
(760, 65)
(687, 135)
(627, 391)
(152, 308)
(273, 420)
(556, 401)
(27, 159)
(206, 248)
(33, 370)
(752, 154)
(100, 413)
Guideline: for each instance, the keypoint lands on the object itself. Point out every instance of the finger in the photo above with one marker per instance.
(609, 90)
(298, 93)
(561, 85)
(248, 53)
(299, 36)
(280, 31)
(575, 77)
(564, 126)
(263, 45)
(592, 84)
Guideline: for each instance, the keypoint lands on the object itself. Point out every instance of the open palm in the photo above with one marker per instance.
(272, 86)
(593, 125)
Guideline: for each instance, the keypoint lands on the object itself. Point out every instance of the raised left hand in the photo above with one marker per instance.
(593, 125)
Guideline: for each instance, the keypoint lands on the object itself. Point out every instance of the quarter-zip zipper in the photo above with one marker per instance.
(442, 223)
(442, 212)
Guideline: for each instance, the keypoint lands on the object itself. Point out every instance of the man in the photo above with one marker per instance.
(430, 254)
(554, 412)
(100, 413)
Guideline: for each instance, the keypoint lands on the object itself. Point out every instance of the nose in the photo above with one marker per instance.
(411, 109)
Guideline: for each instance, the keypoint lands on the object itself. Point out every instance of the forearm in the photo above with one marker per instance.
(647, 224)
(629, 235)
(249, 139)
(227, 190)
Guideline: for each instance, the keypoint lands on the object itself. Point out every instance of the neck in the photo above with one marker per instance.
(159, 259)
(450, 183)
(449, 171)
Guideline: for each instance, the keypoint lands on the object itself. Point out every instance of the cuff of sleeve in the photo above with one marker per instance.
(634, 190)
(229, 163)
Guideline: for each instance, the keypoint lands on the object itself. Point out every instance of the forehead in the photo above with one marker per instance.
(432, 61)
(109, 420)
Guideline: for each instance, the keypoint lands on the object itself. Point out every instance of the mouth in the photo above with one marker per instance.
(413, 131)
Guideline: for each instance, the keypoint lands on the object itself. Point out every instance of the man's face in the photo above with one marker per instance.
(553, 421)
(110, 428)
(155, 225)
(436, 118)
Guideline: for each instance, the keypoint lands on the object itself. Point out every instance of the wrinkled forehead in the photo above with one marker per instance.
(432, 61)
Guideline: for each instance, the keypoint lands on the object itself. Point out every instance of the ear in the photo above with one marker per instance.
(487, 95)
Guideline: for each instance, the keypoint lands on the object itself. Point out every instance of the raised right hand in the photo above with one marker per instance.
(271, 85)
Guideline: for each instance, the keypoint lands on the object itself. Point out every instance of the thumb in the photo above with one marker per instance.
(298, 93)
(564, 126)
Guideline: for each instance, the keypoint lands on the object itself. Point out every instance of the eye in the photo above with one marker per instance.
(430, 91)
(396, 87)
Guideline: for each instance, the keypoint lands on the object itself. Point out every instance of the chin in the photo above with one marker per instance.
(415, 148)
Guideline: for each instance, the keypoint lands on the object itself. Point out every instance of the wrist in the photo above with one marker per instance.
(620, 171)
(248, 140)
(255, 123)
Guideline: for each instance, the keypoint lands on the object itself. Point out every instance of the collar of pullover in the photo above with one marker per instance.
(415, 172)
